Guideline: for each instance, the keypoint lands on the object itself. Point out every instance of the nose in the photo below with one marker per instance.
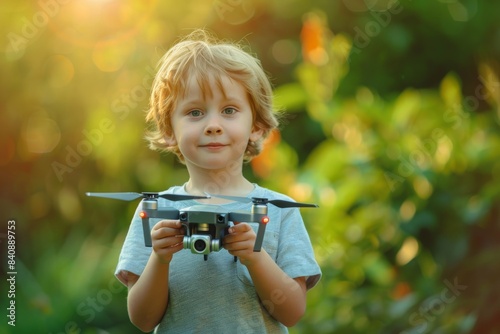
(213, 130)
(213, 126)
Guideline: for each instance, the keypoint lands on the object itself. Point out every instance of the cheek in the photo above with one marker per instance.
(186, 137)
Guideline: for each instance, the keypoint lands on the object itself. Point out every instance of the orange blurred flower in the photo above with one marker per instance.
(312, 37)
(401, 290)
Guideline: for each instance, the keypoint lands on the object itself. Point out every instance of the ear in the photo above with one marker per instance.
(256, 134)
(170, 140)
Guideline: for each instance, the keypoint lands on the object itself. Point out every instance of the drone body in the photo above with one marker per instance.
(204, 225)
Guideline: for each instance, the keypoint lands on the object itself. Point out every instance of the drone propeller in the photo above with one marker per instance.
(276, 202)
(130, 196)
(289, 204)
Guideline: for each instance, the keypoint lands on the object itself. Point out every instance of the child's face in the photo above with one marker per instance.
(212, 129)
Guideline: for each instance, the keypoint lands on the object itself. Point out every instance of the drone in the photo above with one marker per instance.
(204, 225)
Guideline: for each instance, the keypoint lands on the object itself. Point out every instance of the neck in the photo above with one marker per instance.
(229, 181)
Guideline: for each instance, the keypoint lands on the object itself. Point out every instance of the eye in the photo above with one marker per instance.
(229, 111)
(195, 113)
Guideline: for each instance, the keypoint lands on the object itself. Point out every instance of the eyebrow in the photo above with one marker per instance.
(189, 103)
(196, 102)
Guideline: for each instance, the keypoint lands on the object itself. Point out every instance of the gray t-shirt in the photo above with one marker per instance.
(217, 295)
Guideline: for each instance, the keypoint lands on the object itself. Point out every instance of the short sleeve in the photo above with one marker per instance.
(134, 254)
(295, 253)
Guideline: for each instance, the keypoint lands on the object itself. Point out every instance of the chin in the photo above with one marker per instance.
(230, 163)
(212, 164)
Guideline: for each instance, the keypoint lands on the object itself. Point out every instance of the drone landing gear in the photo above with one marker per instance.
(205, 258)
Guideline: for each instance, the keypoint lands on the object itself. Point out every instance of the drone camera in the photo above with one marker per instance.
(201, 244)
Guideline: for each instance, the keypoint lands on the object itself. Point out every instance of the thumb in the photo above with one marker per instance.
(240, 227)
(232, 228)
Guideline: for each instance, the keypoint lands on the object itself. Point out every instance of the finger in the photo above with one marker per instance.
(240, 228)
(239, 247)
(168, 228)
(165, 232)
(237, 238)
(168, 242)
(177, 247)
(170, 223)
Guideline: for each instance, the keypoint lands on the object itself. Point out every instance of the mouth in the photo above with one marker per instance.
(213, 145)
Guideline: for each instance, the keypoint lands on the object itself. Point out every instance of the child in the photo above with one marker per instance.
(211, 104)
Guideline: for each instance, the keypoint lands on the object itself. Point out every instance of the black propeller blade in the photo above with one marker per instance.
(276, 202)
(130, 196)
(287, 204)
(175, 197)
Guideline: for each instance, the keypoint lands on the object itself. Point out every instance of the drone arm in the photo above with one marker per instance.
(147, 232)
(146, 214)
(260, 237)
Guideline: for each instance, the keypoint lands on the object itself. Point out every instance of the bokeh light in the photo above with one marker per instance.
(41, 134)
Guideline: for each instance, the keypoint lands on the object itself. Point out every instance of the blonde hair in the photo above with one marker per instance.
(201, 55)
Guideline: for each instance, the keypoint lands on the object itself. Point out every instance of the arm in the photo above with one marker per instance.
(283, 297)
(148, 294)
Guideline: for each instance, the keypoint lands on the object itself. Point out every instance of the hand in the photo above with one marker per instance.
(167, 238)
(240, 242)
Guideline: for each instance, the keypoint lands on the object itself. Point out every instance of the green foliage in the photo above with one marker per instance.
(391, 125)
(407, 185)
